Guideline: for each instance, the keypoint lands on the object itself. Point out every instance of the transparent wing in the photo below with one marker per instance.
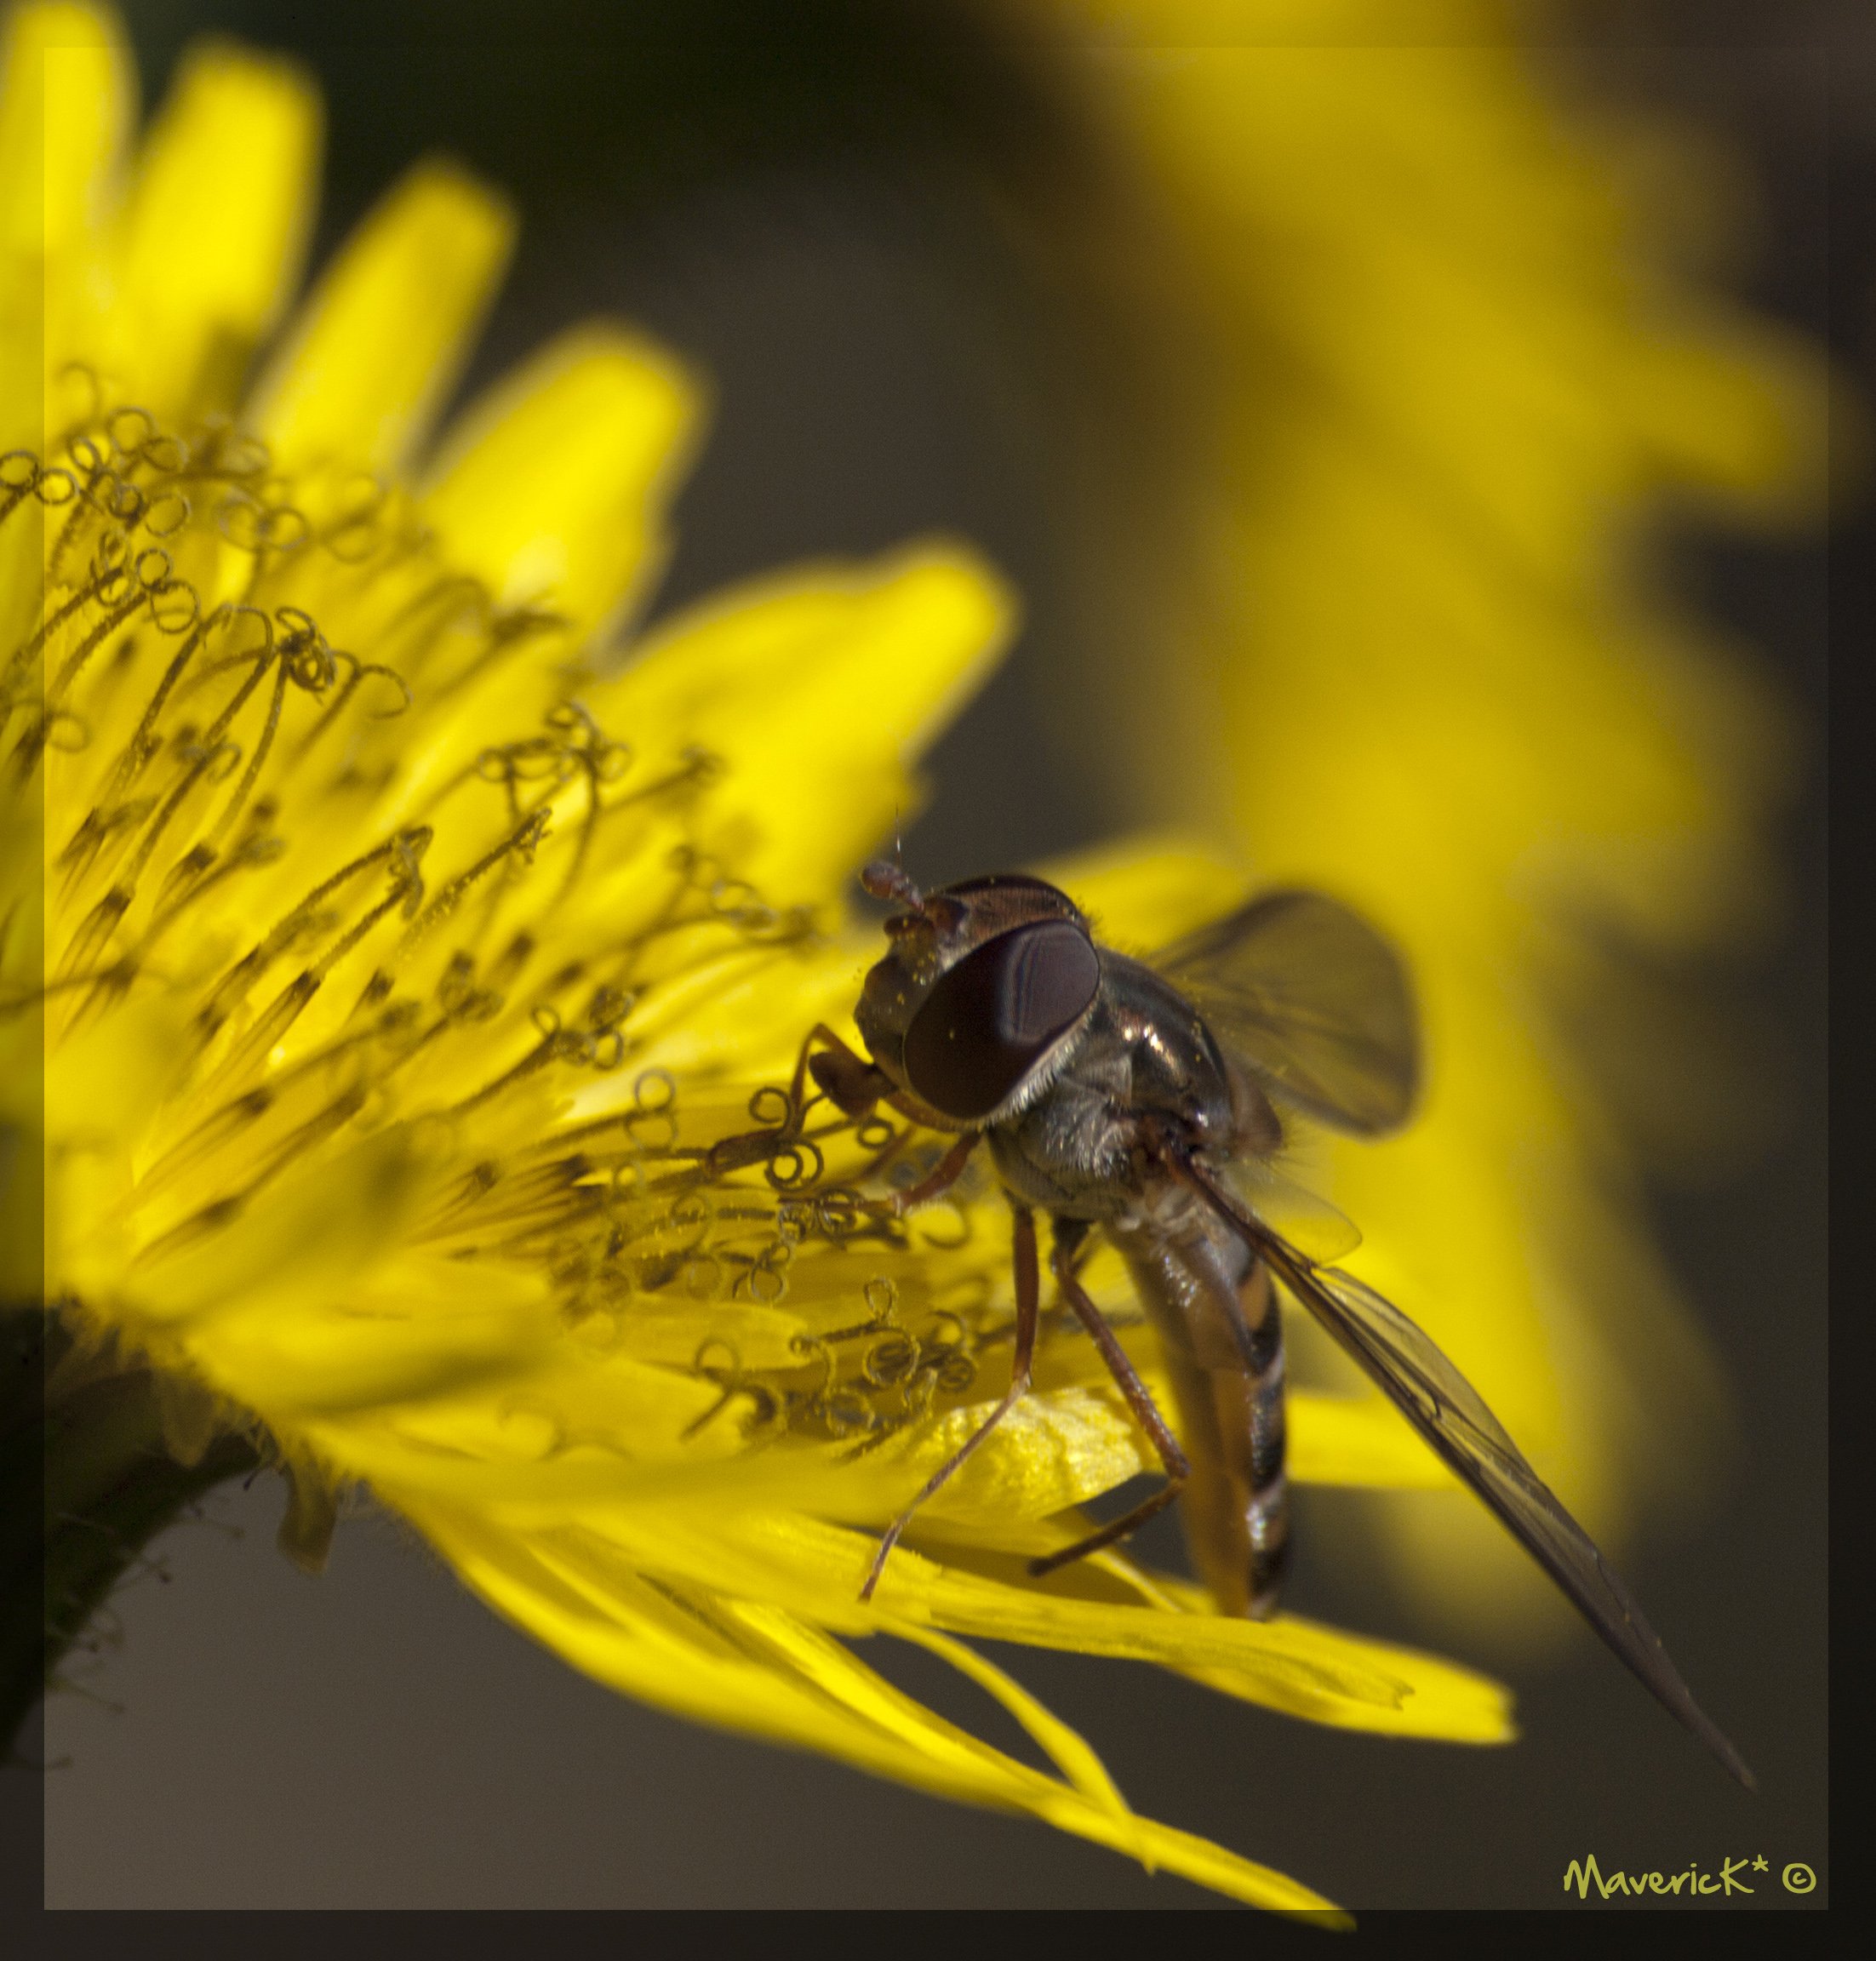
(1312, 1000)
(1445, 1409)
(1310, 1223)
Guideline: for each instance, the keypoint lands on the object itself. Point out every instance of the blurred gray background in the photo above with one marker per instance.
(813, 203)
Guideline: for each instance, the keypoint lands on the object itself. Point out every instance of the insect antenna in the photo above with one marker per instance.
(885, 878)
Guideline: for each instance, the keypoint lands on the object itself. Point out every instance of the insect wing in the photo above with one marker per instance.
(1315, 1003)
(1309, 1222)
(1445, 1409)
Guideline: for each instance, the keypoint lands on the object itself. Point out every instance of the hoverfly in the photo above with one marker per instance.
(1142, 1101)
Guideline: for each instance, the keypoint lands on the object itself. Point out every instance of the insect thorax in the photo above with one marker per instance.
(1071, 1150)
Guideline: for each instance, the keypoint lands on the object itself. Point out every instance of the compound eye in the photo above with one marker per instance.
(993, 1016)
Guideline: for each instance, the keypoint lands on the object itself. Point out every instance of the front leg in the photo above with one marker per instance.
(848, 1081)
(851, 1083)
(948, 1170)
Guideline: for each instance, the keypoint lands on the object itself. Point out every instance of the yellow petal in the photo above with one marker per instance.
(818, 690)
(1359, 1440)
(740, 1665)
(814, 1570)
(1448, 1704)
(390, 325)
(1062, 1447)
(1066, 1749)
(763, 1017)
(552, 490)
(291, 1246)
(1057, 1448)
(125, 1062)
(66, 98)
(1743, 411)
(1442, 1701)
(385, 1342)
(1145, 892)
(1286, 1664)
(216, 230)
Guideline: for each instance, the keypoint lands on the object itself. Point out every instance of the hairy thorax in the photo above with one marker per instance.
(1071, 1151)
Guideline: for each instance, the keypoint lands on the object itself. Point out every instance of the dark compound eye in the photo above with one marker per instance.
(990, 1018)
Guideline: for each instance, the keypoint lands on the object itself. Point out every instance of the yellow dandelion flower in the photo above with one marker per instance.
(1407, 653)
(391, 932)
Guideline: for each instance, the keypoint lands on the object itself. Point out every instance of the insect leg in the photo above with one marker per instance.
(848, 1067)
(949, 1169)
(1061, 1264)
(1028, 1298)
(848, 1083)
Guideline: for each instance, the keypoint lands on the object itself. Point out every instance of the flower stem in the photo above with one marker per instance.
(85, 1485)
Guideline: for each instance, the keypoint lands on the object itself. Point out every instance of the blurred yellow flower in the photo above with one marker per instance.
(392, 932)
(1404, 648)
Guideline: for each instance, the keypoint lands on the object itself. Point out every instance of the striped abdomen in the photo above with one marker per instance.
(1222, 1339)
